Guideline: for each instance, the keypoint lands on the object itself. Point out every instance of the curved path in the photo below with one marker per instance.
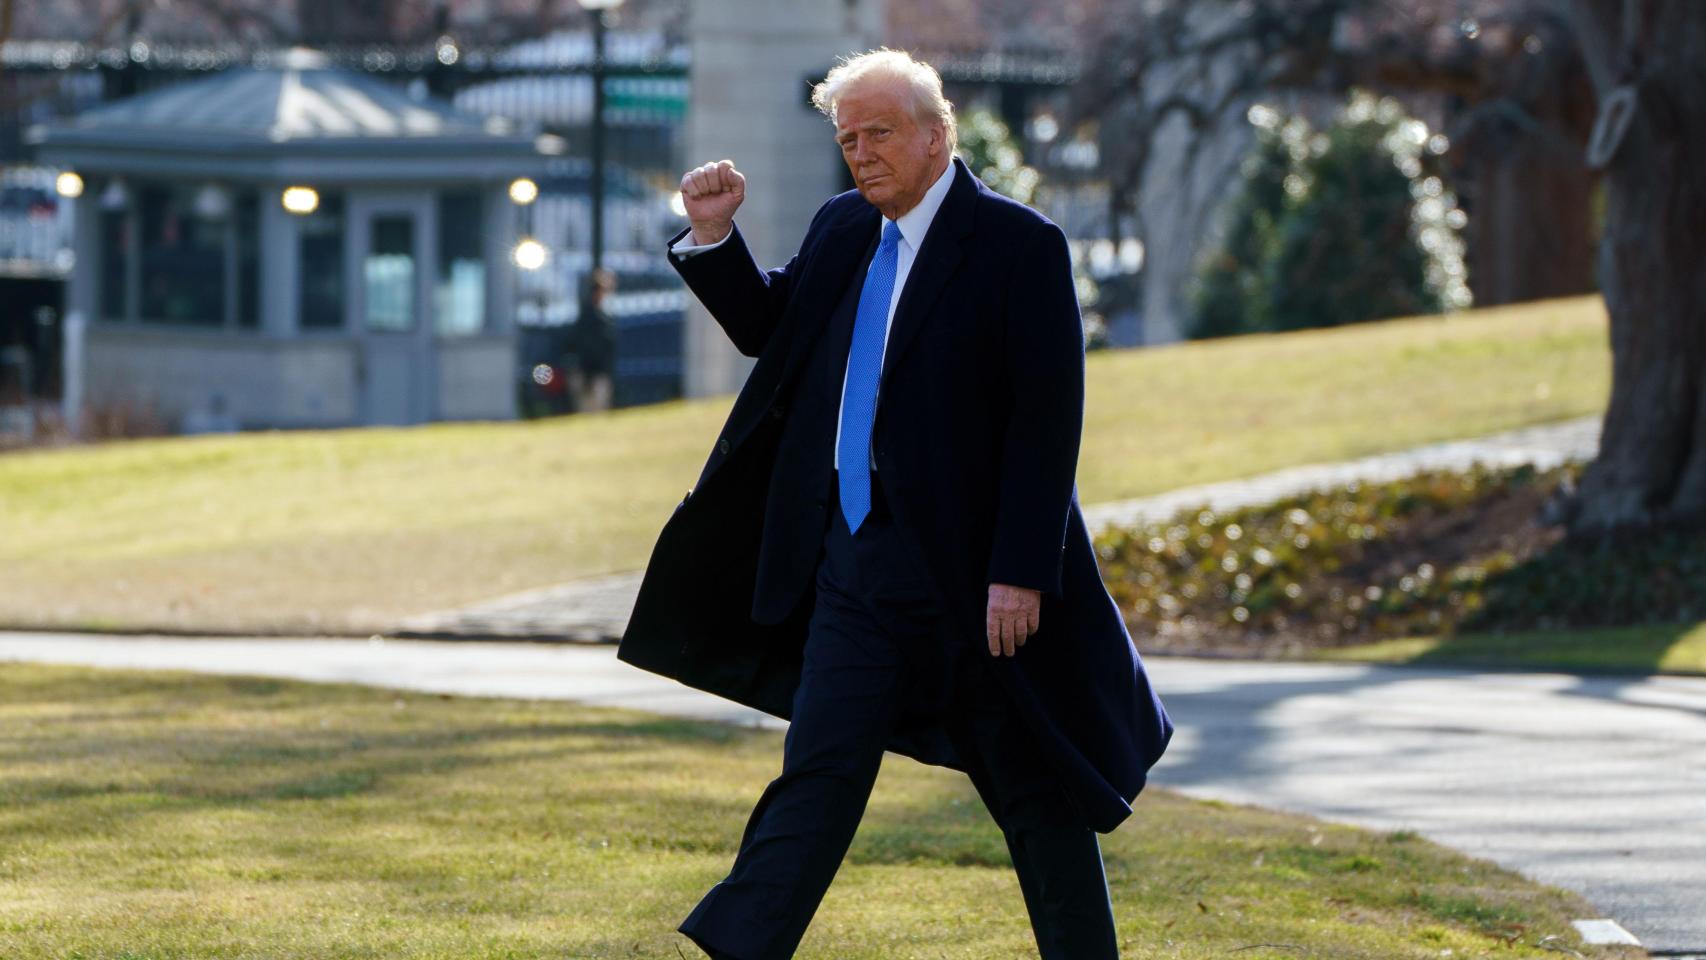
(1593, 784)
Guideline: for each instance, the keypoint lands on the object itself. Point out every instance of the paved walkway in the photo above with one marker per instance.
(596, 609)
(1593, 784)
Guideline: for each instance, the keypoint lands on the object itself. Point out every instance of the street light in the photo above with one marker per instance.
(600, 10)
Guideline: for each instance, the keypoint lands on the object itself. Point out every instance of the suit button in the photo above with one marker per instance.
(777, 412)
(723, 444)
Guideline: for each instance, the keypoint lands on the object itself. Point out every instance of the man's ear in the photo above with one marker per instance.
(938, 137)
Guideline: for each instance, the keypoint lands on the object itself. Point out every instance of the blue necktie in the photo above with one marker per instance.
(864, 366)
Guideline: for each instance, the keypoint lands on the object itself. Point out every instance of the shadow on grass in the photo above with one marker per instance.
(114, 743)
(194, 744)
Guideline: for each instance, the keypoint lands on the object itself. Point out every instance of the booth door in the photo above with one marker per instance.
(398, 370)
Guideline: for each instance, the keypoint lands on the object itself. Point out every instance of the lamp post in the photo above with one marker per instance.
(600, 11)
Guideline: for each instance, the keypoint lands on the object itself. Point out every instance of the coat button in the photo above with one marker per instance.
(777, 412)
(723, 444)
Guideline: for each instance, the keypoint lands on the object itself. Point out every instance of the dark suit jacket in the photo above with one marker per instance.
(979, 413)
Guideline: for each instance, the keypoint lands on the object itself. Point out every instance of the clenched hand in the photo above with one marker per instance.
(1012, 617)
(712, 193)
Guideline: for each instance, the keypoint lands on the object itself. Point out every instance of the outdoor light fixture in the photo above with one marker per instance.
(69, 185)
(523, 191)
(301, 200)
(529, 254)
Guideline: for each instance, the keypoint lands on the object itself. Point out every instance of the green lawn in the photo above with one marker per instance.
(1645, 649)
(154, 815)
(349, 530)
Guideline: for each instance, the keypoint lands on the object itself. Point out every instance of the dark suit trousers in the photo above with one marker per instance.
(872, 654)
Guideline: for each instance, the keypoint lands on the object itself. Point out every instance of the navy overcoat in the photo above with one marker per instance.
(979, 413)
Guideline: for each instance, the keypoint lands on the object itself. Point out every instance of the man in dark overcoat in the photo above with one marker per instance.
(885, 545)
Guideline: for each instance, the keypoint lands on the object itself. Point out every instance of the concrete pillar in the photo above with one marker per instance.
(753, 61)
(280, 289)
(502, 217)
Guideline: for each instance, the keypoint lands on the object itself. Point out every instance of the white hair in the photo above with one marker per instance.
(928, 104)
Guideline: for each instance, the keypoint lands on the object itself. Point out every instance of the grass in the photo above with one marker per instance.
(150, 815)
(1645, 649)
(352, 529)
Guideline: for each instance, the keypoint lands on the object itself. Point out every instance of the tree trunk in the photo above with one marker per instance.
(1651, 466)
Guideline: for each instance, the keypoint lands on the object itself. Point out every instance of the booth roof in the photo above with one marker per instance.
(298, 104)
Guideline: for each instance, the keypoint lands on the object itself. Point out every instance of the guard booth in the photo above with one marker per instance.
(293, 244)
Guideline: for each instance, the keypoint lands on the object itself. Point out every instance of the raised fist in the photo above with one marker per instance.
(712, 193)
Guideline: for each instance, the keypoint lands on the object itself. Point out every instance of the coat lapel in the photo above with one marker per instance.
(843, 251)
(935, 263)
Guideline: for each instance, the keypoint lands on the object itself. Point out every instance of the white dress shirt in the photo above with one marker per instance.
(913, 225)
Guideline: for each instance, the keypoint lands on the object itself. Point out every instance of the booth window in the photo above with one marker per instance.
(321, 264)
(115, 257)
(460, 290)
(389, 272)
(247, 223)
(183, 257)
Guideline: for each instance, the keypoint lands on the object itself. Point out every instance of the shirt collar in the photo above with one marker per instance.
(915, 223)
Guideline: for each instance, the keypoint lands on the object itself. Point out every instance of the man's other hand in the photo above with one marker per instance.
(712, 193)
(1012, 617)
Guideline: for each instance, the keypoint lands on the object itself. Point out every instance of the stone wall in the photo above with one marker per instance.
(477, 378)
(267, 382)
(264, 382)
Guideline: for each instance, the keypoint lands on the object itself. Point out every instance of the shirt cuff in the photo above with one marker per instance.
(683, 248)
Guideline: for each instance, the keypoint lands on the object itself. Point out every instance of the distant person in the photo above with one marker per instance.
(886, 545)
(591, 377)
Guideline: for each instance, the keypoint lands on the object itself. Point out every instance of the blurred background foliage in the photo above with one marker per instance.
(1311, 204)
(991, 151)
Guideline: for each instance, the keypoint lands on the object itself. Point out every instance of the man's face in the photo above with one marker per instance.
(892, 157)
